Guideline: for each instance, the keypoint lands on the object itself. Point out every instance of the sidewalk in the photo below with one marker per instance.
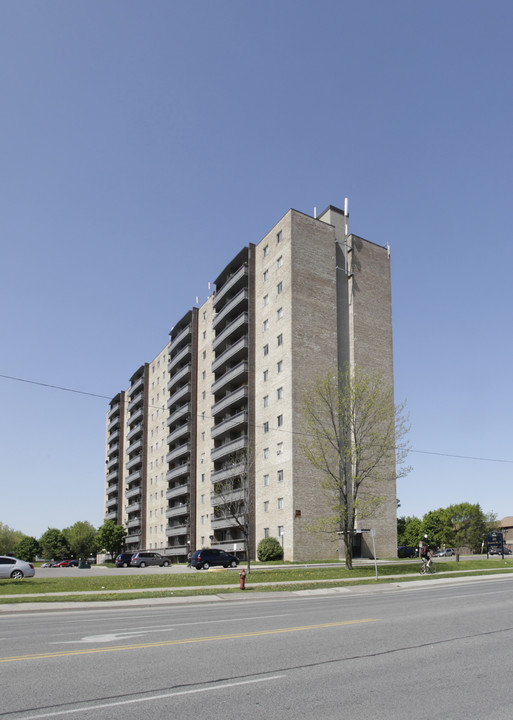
(343, 587)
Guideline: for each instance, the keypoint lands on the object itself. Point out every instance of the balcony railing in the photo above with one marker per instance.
(135, 475)
(177, 511)
(229, 448)
(133, 507)
(178, 433)
(236, 278)
(229, 424)
(135, 402)
(237, 323)
(238, 347)
(181, 394)
(238, 372)
(178, 490)
(178, 471)
(180, 338)
(179, 375)
(179, 413)
(177, 530)
(135, 417)
(234, 397)
(178, 452)
(227, 472)
(133, 492)
(185, 352)
(230, 306)
(134, 462)
(136, 430)
(134, 446)
(226, 521)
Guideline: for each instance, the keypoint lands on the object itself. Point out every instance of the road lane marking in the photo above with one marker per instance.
(185, 641)
(132, 701)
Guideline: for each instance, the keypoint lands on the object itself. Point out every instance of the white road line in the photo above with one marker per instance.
(150, 698)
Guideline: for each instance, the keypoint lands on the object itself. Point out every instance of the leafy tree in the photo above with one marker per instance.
(409, 530)
(437, 528)
(269, 549)
(27, 549)
(354, 437)
(9, 538)
(469, 525)
(81, 538)
(110, 538)
(233, 497)
(54, 545)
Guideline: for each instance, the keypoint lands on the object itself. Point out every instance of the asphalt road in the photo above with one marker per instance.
(423, 651)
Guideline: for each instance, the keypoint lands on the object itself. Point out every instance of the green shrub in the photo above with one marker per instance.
(269, 549)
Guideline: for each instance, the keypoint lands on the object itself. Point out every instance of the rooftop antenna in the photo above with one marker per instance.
(197, 300)
(346, 207)
(315, 213)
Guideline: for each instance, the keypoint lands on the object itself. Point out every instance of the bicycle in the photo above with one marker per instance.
(425, 569)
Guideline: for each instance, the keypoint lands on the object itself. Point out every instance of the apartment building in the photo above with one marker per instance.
(307, 298)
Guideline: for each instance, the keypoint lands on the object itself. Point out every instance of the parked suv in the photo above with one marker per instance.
(142, 559)
(211, 557)
(123, 559)
(405, 551)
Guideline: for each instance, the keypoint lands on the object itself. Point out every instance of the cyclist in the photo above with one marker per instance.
(425, 554)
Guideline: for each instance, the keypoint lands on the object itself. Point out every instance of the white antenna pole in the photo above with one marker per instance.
(346, 207)
(315, 213)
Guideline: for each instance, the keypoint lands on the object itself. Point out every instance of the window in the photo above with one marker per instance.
(281, 532)
(279, 261)
(279, 339)
(266, 506)
(279, 313)
(266, 350)
(202, 477)
(204, 354)
(279, 448)
(265, 275)
(279, 420)
(266, 300)
(280, 476)
(266, 532)
(279, 288)
(203, 395)
(266, 375)
(266, 453)
(279, 366)
(279, 237)
(204, 334)
(266, 251)
(204, 374)
(266, 400)
(279, 393)
(266, 325)
(281, 504)
(266, 479)
(204, 314)
(266, 427)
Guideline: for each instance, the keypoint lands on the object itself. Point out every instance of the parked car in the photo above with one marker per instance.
(448, 552)
(497, 551)
(211, 557)
(142, 559)
(123, 559)
(11, 567)
(405, 551)
(67, 563)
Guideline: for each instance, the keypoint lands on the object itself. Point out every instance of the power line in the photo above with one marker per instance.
(161, 407)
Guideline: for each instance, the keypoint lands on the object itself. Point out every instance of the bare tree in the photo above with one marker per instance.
(233, 495)
(354, 437)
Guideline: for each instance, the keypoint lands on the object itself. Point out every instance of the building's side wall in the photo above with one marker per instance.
(313, 354)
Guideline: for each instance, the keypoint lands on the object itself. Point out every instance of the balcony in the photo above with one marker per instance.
(112, 502)
(111, 489)
(113, 423)
(227, 472)
(134, 432)
(113, 436)
(230, 307)
(112, 515)
(114, 409)
(177, 530)
(180, 338)
(178, 490)
(177, 511)
(137, 384)
(230, 423)
(230, 496)
(238, 350)
(136, 445)
(135, 475)
(132, 539)
(178, 433)
(226, 521)
(113, 462)
(180, 374)
(177, 550)
(182, 393)
(134, 462)
(133, 492)
(134, 522)
(133, 507)
(137, 416)
(237, 396)
(239, 372)
(238, 278)
(178, 471)
(178, 452)
(180, 355)
(135, 402)
(177, 414)
(240, 322)
(229, 448)
(113, 449)
(113, 475)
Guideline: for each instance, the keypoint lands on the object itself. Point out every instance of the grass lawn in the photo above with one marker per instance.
(144, 584)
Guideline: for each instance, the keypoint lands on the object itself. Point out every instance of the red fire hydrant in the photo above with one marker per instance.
(243, 580)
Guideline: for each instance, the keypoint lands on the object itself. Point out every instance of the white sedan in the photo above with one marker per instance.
(11, 567)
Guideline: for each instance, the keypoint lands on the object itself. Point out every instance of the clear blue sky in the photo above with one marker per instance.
(143, 144)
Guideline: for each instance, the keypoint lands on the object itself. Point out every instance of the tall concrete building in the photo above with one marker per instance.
(307, 298)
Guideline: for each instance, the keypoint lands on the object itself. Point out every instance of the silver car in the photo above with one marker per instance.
(11, 567)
